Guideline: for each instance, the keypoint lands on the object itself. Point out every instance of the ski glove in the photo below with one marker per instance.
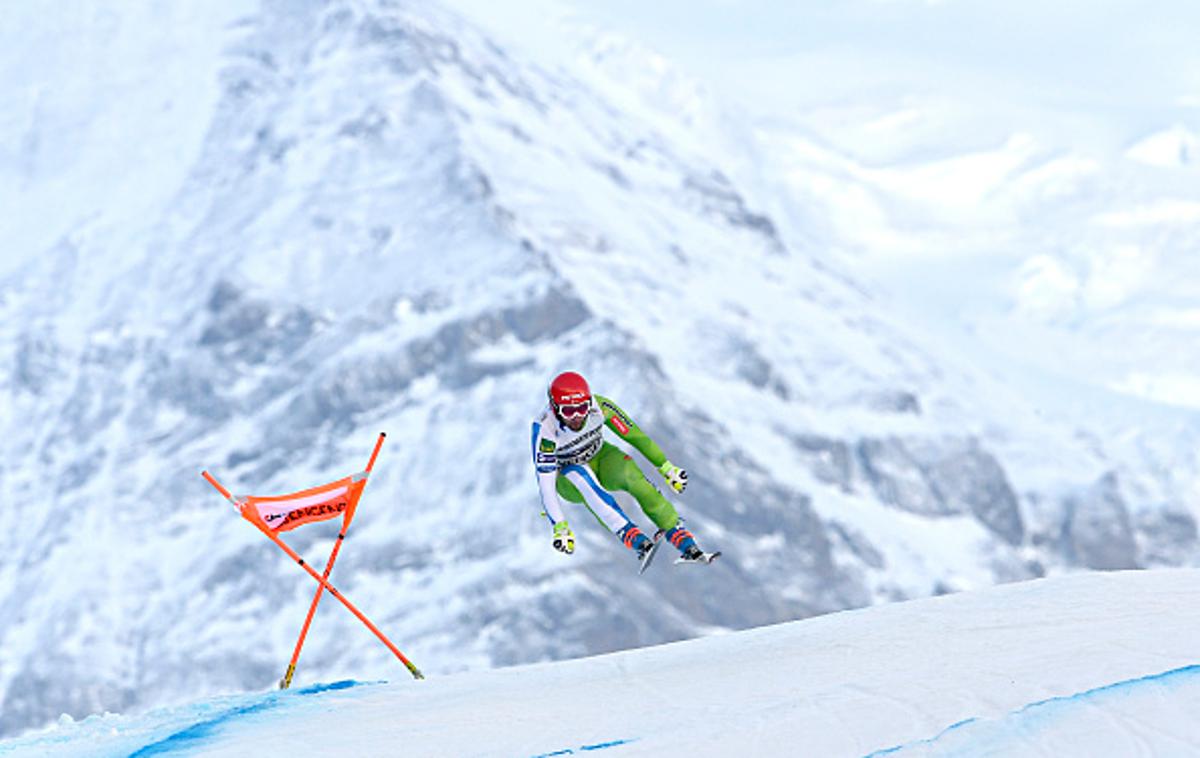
(564, 539)
(675, 476)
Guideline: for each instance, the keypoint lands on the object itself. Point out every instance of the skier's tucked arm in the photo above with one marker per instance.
(620, 422)
(550, 502)
(546, 465)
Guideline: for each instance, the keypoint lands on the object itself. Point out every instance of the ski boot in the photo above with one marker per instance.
(689, 551)
(694, 554)
(645, 553)
(641, 545)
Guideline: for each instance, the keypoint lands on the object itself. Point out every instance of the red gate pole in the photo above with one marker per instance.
(312, 609)
(329, 587)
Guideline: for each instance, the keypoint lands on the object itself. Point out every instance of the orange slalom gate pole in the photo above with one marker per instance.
(286, 681)
(312, 609)
(332, 590)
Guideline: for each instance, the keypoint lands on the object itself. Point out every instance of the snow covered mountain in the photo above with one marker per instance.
(1097, 664)
(391, 223)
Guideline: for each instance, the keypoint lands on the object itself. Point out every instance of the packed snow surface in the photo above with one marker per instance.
(1088, 664)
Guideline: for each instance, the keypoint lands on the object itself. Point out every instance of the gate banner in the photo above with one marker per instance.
(282, 513)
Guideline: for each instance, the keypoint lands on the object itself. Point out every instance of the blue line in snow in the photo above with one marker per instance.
(197, 733)
(1179, 673)
(583, 748)
(603, 745)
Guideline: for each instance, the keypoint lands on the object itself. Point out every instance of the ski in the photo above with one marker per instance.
(702, 558)
(649, 556)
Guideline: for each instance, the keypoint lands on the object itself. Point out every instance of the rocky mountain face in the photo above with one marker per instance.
(395, 225)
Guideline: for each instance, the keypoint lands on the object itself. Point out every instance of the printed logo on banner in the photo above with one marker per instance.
(307, 513)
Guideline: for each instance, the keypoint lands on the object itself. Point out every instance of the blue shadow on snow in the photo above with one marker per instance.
(583, 749)
(196, 733)
(1185, 672)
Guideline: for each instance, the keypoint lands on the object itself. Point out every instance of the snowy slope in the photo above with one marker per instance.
(92, 101)
(1085, 665)
(382, 220)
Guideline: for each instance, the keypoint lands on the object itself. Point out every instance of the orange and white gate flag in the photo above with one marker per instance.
(282, 513)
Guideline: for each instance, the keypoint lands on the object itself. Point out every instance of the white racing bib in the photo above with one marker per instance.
(558, 446)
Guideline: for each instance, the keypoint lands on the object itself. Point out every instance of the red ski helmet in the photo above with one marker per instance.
(570, 392)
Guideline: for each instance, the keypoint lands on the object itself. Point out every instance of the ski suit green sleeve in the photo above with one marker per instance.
(620, 422)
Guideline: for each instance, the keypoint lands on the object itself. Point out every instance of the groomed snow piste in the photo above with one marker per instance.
(1089, 664)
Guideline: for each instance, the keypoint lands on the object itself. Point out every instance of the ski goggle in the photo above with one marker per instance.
(575, 410)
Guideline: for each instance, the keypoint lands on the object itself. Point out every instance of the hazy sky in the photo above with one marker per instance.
(950, 106)
(1123, 56)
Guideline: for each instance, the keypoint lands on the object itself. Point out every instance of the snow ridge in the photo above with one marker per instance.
(1026, 722)
(194, 736)
(1072, 666)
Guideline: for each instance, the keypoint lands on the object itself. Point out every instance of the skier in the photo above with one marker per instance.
(573, 460)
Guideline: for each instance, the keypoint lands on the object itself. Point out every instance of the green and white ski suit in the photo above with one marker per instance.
(582, 467)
